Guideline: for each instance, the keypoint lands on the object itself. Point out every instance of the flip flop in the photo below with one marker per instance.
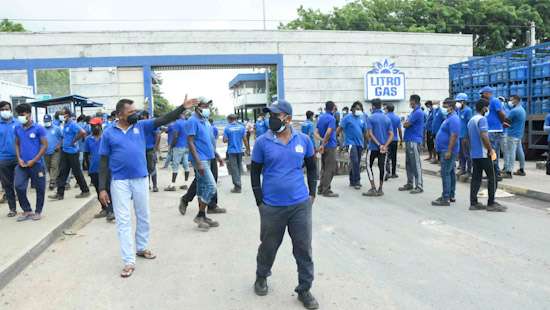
(127, 271)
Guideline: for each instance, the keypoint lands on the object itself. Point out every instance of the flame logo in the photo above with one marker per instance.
(385, 67)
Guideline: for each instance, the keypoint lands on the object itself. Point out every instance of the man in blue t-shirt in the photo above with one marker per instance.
(496, 121)
(284, 200)
(54, 135)
(380, 136)
(234, 134)
(547, 130)
(8, 160)
(428, 128)
(391, 159)
(326, 129)
(414, 135)
(30, 147)
(446, 144)
(129, 184)
(436, 124)
(69, 159)
(465, 114)
(483, 155)
(308, 128)
(261, 126)
(516, 118)
(354, 127)
(92, 156)
(180, 153)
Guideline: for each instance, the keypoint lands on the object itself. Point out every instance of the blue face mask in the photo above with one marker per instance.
(444, 112)
(205, 113)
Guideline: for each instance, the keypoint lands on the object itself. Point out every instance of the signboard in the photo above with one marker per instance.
(385, 82)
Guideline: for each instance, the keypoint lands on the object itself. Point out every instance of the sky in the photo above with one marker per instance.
(79, 15)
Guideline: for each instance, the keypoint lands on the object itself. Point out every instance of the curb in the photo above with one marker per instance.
(516, 190)
(26, 259)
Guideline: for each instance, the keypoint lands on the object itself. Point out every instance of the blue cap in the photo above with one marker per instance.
(487, 89)
(280, 106)
(461, 97)
(47, 118)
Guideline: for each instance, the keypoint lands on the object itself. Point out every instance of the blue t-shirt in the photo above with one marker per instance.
(354, 129)
(380, 125)
(308, 129)
(437, 121)
(395, 124)
(465, 116)
(415, 133)
(326, 121)
(88, 129)
(450, 126)
(91, 145)
(151, 138)
(200, 129)
(54, 134)
(260, 127)
(283, 181)
(179, 127)
(170, 130)
(30, 140)
(547, 125)
(70, 130)
(234, 133)
(516, 116)
(7, 138)
(429, 120)
(493, 120)
(126, 150)
(476, 126)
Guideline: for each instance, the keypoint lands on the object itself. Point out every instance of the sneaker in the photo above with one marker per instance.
(183, 205)
(110, 217)
(155, 189)
(184, 187)
(477, 206)
(83, 195)
(211, 222)
(507, 175)
(260, 286)
(102, 213)
(55, 197)
(25, 217)
(417, 191)
(308, 300)
(330, 194)
(406, 187)
(371, 193)
(441, 202)
(236, 190)
(170, 188)
(394, 176)
(202, 224)
(36, 217)
(496, 207)
(215, 210)
(520, 172)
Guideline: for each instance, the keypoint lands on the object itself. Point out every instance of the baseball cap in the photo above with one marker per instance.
(204, 100)
(279, 106)
(487, 89)
(47, 118)
(96, 121)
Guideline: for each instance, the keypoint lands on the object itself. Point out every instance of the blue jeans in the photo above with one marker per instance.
(235, 167)
(448, 175)
(206, 184)
(180, 155)
(521, 155)
(122, 194)
(355, 153)
(496, 140)
(37, 175)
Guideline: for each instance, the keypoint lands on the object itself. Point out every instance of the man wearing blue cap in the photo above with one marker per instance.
(283, 199)
(465, 114)
(54, 135)
(495, 121)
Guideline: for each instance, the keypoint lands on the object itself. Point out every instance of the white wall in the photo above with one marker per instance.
(318, 65)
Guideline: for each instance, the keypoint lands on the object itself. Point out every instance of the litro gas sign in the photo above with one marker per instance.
(385, 81)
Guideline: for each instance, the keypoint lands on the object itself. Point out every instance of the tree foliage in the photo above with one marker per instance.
(9, 26)
(496, 25)
(162, 105)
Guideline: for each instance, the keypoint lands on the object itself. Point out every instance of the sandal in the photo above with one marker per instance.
(127, 271)
(147, 254)
(12, 213)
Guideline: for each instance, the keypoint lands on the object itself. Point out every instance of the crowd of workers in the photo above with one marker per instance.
(120, 152)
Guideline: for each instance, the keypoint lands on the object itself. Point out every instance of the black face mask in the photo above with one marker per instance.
(276, 124)
(132, 118)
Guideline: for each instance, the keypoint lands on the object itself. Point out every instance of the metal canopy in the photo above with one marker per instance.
(78, 101)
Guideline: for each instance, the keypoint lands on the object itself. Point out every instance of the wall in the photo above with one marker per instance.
(318, 65)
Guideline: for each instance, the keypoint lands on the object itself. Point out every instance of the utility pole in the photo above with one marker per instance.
(263, 8)
(532, 32)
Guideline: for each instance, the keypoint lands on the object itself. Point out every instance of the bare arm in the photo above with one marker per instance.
(400, 132)
(81, 135)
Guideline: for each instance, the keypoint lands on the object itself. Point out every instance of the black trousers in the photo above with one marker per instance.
(67, 163)
(94, 177)
(392, 157)
(430, 141)
(192, 191)
(381, 164)
(7, 174)
(479, 165)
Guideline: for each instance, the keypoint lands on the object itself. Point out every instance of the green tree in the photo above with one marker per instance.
(9, 26)
(496, 25)
(162, 105)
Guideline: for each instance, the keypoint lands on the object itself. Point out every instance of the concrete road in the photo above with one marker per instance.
(394, 252)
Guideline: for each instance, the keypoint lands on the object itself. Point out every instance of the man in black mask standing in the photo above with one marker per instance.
(283, 199)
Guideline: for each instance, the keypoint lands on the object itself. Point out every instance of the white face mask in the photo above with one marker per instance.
(511, 104)
(6, 114)
(48, 124)
(22, 119)
(358, 113)
(458, 105)
(436, 107)
(61, 118)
